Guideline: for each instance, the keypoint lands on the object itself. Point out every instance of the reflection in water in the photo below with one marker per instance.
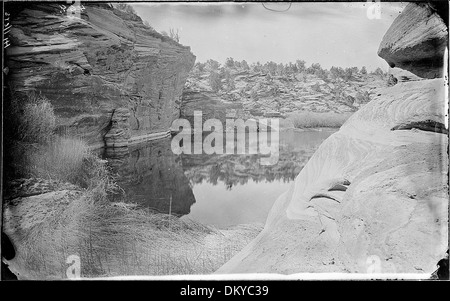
(236, 189)
(226, 189)
(296, 148)
(152, 177)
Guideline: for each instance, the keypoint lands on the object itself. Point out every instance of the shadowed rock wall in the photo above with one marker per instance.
(105, 71)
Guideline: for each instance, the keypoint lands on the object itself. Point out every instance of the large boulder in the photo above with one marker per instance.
(417, 39)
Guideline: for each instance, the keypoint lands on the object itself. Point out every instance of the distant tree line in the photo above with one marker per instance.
(221, 78)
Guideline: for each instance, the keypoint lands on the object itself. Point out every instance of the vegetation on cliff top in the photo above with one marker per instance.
(171, 37)
(318, 120)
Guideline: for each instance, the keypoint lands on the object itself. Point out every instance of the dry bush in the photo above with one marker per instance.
(34, 118)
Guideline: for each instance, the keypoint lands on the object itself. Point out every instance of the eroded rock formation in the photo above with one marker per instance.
(94, 67)
(257, 93)
(417, 39)
(374, 197)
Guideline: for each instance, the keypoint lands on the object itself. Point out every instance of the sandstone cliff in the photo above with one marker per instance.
(417, 39)
(106, 73)
(374, 197)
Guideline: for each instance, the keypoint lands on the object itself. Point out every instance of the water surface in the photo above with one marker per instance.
(220, 190)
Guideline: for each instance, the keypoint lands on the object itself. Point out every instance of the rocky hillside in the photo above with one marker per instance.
(259, 91)
(374, 197)
(110, 78)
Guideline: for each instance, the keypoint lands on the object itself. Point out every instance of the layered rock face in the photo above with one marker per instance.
(417, 39)
(374, 197)
(209, 104)
(103, 72)
(261, 94)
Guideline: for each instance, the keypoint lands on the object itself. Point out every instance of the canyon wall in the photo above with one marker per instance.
(374, 196)
(111, 79)
(417, 39)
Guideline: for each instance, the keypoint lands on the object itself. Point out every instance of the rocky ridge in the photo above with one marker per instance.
(259, 94)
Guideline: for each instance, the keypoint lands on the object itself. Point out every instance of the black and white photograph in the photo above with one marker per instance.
(213, 140)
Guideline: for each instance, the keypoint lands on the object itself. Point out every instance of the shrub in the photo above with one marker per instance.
(316, 87)
(68, 159)
(212, 64)
(174, 35)
(62, 158)
(147, 24)
(35, 119)
(391, 81)
(229, 81)
(200, 66)
(364, 70)
(379, 72)
(301, 65)
(244, 65)
(229, 62)
(362, 97)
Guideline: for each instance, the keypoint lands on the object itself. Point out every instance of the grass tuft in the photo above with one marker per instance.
(119, 239)
(36, 119)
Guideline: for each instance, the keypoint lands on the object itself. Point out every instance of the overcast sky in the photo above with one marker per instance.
(332, 34)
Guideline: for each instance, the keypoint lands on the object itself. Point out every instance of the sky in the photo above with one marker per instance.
(331, 34)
